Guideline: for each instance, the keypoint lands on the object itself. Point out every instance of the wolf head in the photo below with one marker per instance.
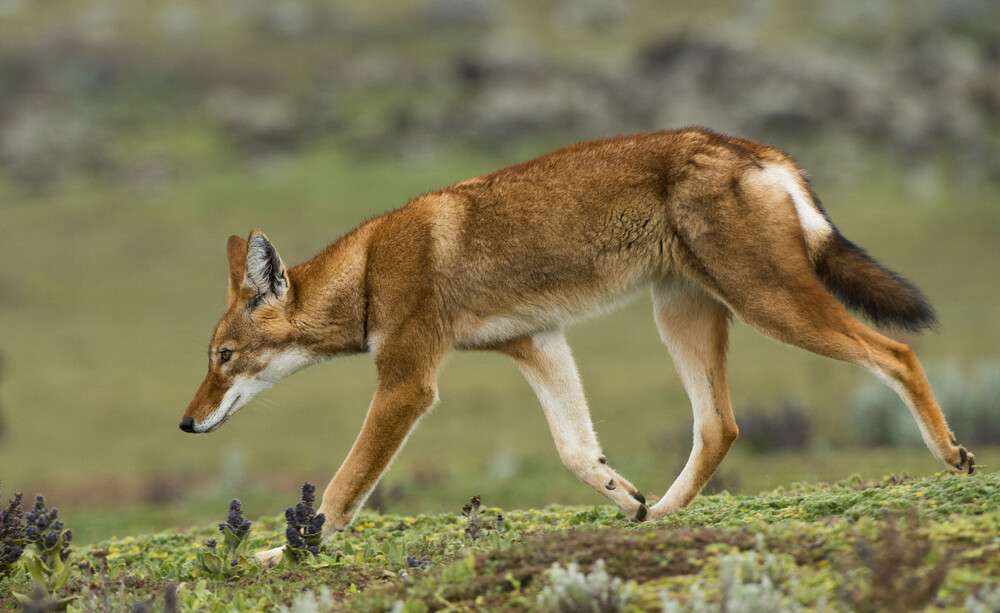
(254, 344)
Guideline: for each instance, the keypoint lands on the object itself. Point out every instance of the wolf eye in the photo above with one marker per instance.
(225, 355)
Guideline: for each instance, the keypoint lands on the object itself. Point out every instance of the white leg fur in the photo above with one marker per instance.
(269, 557)
(552, 373)
(904, 395)
(690, 324)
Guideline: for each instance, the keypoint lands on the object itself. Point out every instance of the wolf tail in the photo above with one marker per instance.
(865, 286)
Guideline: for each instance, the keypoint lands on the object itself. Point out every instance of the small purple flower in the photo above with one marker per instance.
(304, 526)
(302, 513)
(308, 493)
(294, 538)
(316, 524)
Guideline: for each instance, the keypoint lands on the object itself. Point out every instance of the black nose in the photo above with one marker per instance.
(187, 424)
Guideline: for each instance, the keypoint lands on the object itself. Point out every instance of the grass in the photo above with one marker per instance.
(820, 533)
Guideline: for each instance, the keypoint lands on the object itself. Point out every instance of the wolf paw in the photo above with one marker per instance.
(269, 557)
(966, 461)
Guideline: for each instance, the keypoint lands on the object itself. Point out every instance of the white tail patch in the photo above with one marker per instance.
(815, 226)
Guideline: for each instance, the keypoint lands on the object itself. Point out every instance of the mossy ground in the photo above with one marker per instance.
(816, 530)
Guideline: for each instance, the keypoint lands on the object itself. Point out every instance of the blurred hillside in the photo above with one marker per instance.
(136, 136)
(145, 93)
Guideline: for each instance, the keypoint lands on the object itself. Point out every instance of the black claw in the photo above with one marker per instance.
(641, 513)
(610, 485)
(602, 460)
(638, 496)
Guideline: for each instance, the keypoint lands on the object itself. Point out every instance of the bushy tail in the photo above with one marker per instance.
(864, 285)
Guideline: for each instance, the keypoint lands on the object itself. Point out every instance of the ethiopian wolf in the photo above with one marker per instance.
(715, 226)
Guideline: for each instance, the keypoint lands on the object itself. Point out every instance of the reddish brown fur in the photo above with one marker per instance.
(490, 262)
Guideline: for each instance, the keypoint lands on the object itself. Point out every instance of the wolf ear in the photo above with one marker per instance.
(265, 272)
(236, 253)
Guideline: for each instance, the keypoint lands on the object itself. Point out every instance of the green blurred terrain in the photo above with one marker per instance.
(113, 277)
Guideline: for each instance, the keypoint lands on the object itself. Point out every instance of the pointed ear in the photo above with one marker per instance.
(236, 252)
(265, 272)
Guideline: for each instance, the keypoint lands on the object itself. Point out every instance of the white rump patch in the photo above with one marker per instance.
(816, 227)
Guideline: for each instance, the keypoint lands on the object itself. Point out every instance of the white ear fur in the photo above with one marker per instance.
(265, 272)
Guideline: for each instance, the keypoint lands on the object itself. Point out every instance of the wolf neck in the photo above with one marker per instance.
(330, 302)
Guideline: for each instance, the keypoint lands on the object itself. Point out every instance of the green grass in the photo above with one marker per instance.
(815, 530)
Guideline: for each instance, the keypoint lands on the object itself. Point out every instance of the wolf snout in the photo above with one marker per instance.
(187, 424)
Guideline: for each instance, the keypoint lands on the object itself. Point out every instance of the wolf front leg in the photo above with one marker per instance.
(407, 390)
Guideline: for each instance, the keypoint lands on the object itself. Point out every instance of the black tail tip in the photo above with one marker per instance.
(884, 297)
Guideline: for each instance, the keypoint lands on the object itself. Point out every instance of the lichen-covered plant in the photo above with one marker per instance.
(48, 553)
(749, 582)
(572, 591)
(474, 525)
(311, 602)
(12, 538)
(303, 527)
(986, 600)
(228, 558)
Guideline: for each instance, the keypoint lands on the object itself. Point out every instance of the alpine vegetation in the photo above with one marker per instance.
(749, 582)
(474, 525)
(47, 557)
(12, 536)
(571, 591)
(227, 559)
(303, 527)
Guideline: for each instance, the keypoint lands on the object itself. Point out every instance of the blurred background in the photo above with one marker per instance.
(136, 136)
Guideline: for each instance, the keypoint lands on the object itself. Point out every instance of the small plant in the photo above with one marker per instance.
(987, 600)
(749, 582)
(303, 527)
(311, 602)
(48, 554)
(474, 525)
(571, 591)
(415, 563)
(39, 602)
(227, 559)
(893, 565)
(12, 537)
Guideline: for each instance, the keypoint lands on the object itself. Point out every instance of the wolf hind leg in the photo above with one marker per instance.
(810, 317)
(694, 326)
(548, 365)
